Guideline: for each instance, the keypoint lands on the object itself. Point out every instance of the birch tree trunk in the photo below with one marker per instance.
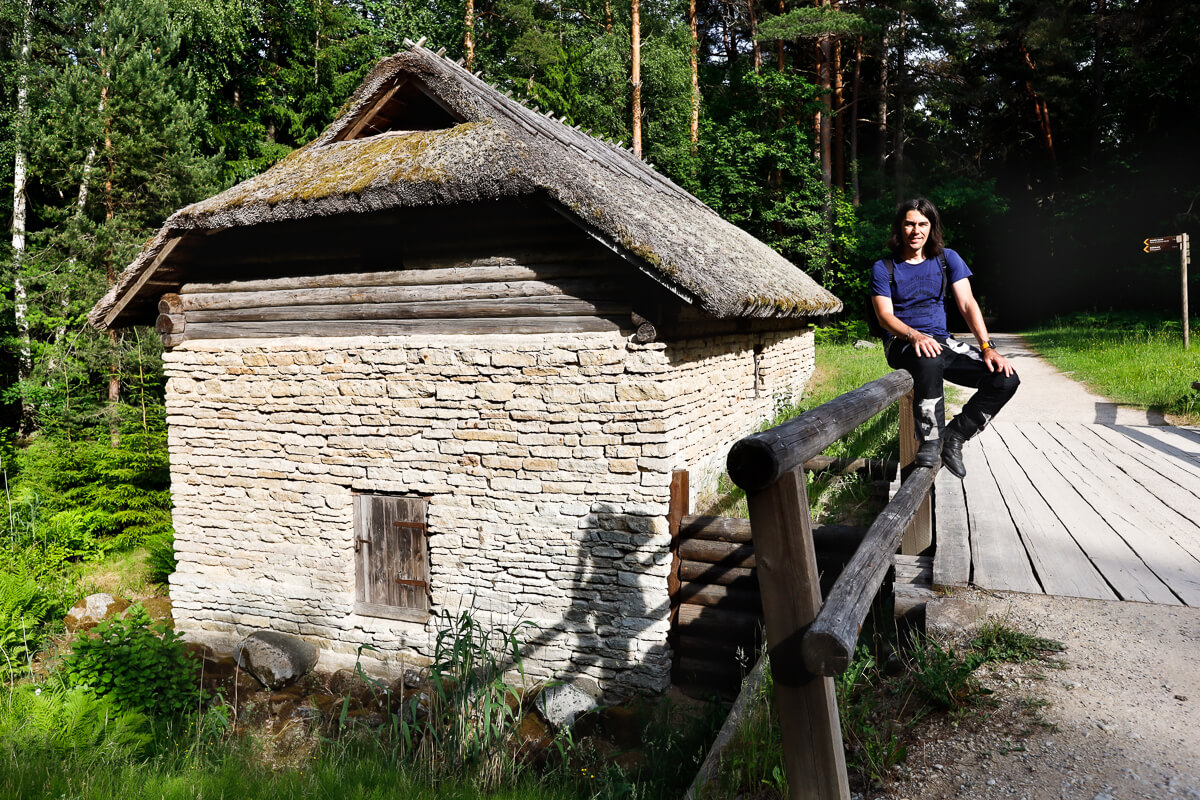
(20, 170)
(636, 78)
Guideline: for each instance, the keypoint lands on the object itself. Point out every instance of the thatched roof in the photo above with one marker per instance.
(450, 138)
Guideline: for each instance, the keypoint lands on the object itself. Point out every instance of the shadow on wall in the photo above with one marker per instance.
(618, 619)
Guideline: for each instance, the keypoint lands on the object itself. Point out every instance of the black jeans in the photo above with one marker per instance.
(958, 363)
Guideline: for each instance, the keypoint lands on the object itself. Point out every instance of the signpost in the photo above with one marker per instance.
(1180, 242)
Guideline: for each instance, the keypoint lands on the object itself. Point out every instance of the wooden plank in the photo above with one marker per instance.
(1177, 444)
(699, 594)
(1086, 513)
(1000, 560)
(701, 572)
(260, 330)
(1131, 444)
(442, 309)
(482, 270)
(1061, 566)
(1121, 567)
(811, 731)
(913, 569)
(676, 510)
(918, 537)
(490, 290)
(391, 612)
(952, 554)
(1132, 511)
(134, 290)
(1167, 485)
(726, 554)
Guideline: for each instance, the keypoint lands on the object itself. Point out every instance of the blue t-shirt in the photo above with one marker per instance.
(917, 285)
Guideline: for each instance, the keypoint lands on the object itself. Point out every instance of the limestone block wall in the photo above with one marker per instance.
(725, 387)
(546, 462)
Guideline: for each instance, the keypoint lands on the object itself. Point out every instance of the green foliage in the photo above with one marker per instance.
(997, 641)
(70, 722)
(141, 666)
(873, 746)
(77, 499)
(160, 557)
(944, 678)
(23, 606)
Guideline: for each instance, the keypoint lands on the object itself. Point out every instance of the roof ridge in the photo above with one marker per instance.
(558, 131)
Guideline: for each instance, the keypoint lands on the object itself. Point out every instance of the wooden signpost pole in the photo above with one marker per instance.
(1185, 256)
(1180, 242)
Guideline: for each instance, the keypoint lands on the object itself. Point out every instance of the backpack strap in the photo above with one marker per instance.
(945, 274)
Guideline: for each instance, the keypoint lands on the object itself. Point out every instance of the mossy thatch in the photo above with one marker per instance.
(499, 148)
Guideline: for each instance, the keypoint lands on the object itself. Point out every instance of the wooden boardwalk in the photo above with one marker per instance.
(1104, 511)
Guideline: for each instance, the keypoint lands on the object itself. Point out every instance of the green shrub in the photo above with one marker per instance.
(70, 720)
(23, 606)
(141, 666)
(160, 557)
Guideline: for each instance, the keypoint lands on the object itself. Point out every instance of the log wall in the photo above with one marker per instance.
(497, 268)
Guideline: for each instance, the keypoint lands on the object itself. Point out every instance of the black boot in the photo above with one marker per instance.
(956, 435)
(928, 453)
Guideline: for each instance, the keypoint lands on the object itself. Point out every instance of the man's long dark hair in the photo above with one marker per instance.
(934, 245)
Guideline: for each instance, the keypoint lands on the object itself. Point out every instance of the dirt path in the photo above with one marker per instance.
(1121, 720)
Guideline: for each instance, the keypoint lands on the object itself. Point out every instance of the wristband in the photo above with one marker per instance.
(985, 346)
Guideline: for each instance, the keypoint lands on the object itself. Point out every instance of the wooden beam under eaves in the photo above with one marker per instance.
(142, 281)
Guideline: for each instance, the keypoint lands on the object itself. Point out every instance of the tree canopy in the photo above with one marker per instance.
(1055, 136)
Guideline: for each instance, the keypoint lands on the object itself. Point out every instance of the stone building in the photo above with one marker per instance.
(445, 358)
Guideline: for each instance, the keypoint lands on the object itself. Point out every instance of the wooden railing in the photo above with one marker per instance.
(809, 641)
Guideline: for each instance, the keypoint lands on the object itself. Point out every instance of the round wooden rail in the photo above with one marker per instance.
(828, 644)
(758, 460)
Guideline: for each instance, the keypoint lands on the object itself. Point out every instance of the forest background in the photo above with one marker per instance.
(1054, 136)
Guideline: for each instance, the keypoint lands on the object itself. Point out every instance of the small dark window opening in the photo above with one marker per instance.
(758, 378)
(391, 557)
(405, 106)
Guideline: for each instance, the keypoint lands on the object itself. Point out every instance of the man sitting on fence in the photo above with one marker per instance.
(909, 292)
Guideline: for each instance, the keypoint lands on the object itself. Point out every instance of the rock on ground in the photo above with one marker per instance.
(275, 659)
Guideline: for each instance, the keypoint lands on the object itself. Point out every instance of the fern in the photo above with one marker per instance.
(22, 608)
(71, 721)
(160, 557)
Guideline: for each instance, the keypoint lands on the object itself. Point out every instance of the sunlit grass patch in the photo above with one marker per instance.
(1135, 359)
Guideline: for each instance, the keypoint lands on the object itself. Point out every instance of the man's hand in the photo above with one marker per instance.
(996, 362)
(926, 346)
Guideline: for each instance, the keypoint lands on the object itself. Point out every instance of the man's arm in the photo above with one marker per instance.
(964, 298)
(924, 345)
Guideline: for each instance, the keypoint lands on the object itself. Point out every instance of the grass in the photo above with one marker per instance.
(1135, 359)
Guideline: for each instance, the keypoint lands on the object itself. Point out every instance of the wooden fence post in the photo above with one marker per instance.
(791, 597)
(676, 511)
(918, 537)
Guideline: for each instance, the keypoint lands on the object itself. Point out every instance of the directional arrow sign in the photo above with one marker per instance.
(1159, 243)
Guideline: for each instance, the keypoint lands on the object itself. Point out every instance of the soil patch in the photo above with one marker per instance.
(1120, 718)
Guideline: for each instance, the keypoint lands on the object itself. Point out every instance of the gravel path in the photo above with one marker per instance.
(1121, 720)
